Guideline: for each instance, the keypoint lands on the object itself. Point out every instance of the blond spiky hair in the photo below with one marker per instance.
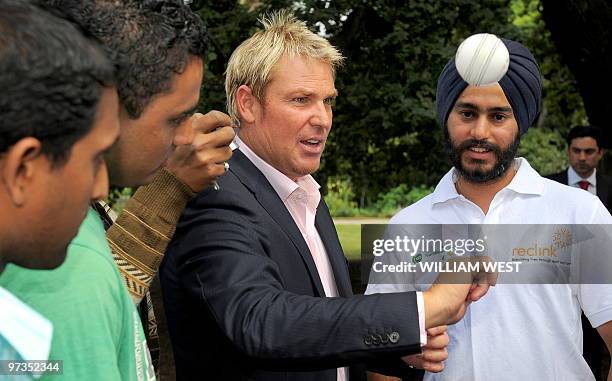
(252, 62)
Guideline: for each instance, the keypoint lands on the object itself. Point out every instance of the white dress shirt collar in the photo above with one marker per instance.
(573, 178)
(282, 184)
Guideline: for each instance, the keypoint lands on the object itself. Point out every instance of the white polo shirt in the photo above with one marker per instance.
(517, 332)
(24, 333)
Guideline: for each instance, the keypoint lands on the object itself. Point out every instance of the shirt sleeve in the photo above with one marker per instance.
(596, 302)
(596, 299)
(141, 233)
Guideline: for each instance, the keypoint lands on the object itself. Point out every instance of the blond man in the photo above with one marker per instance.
(256, 286)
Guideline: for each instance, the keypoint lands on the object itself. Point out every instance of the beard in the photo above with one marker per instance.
(479, 175)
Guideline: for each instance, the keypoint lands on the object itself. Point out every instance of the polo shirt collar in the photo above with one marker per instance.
(526, 181)
(445, 190)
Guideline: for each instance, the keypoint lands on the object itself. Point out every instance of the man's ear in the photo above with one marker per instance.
(19, 169)
(246, 104)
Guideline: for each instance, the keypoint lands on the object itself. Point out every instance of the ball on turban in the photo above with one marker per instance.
(522, 85)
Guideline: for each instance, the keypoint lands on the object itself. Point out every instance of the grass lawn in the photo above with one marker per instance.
(350, 238)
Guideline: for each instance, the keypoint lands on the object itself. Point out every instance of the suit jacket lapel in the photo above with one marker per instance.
(327, 232)
(265, 194)
(564, 178)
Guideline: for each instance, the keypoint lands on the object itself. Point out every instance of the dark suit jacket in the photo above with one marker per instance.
(603, 186)
(244, 301)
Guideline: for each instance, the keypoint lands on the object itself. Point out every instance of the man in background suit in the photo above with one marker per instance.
(255, 283)
(584, 150)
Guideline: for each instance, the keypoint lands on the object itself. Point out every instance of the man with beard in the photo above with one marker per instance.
(519, 331)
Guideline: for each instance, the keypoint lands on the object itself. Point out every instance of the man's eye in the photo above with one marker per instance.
(300, 99)
(499, 117)
(330, 101)
(467, 114)
(178, 121)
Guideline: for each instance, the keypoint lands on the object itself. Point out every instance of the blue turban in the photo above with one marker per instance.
(522, 85)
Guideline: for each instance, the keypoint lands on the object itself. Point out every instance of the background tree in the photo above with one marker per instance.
(582, 32)
(563, 108)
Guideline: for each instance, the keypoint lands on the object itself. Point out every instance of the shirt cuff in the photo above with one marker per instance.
(421, 310)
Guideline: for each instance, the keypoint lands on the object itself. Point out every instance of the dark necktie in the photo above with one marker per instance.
(583, 184)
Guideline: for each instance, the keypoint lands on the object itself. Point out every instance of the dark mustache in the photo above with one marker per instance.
(475, 143)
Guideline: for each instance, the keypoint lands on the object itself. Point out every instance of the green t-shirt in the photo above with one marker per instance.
(96, 328)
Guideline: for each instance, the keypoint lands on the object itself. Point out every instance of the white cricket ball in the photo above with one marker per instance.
(482, 59)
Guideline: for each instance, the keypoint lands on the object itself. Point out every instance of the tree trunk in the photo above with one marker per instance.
(582, 32)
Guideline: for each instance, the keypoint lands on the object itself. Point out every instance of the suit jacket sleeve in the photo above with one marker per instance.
(221, 257)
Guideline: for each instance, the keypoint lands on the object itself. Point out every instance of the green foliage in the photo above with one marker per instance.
(350, 239)
(562, 103)
(117, 197)
(339, 198)
(399, 197)
(544, 146)
(228, 23)
(544, 149)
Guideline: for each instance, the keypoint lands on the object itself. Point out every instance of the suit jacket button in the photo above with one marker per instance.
(375, 339)
(394, 337)
(367, 340)
(384, 338)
